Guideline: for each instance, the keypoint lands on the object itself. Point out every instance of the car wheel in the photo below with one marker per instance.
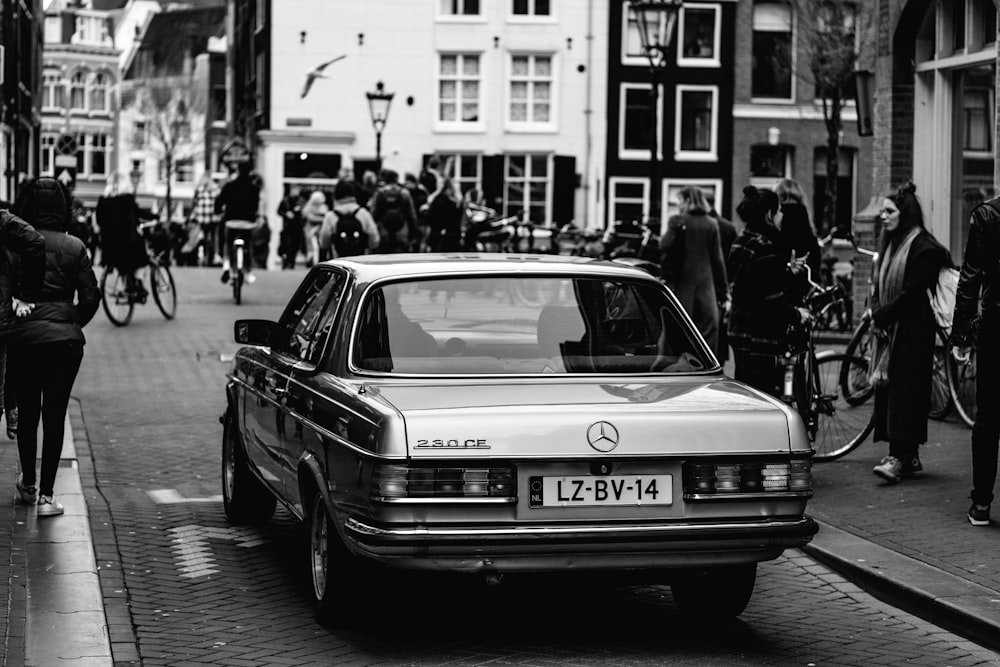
(334, 570)
(718, 592)
(245, 498)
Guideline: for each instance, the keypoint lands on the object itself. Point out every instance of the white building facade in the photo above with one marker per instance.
(513, 90)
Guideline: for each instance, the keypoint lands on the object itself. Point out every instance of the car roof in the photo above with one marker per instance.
(369, 268)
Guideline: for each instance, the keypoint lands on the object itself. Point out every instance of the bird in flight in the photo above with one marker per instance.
(317, 73)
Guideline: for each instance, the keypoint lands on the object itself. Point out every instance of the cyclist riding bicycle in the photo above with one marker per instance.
(238, 202)
(122, 245)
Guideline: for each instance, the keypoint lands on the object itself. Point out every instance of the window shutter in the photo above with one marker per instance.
(564, 189)
(493, 181)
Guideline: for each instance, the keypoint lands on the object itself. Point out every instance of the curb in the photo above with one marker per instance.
(946, 600)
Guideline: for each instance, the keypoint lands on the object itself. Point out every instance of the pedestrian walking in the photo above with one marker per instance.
(980, 280)
(419, 195)
(910, 259)
(47, 340)
(727, 235)
(444, 219)
(698, 277)
(349, 228)
(313, 213)
(206, 220)
(797, 235)
(292, 238)
(16, 236)
(394, 214)
(761, 311)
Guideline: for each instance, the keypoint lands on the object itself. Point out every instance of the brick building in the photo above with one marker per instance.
(20, 80)
(935, 107)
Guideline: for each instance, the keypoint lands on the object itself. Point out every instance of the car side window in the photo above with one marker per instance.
(310, 317)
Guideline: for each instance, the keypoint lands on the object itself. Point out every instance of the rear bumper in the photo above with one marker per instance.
(552, 548)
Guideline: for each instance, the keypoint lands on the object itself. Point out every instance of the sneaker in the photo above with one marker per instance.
(47, 506)
(28, 494)
(912, 468)
(251, 278)
(889, 469)
(12, 423)
(979, 515)
(225, 276)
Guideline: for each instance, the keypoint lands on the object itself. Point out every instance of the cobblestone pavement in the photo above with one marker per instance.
(182, 587)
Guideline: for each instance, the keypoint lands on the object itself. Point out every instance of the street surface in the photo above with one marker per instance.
(183, 587)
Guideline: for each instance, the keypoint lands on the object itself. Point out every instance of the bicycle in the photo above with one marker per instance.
(813, 386)
(239, 232)
(962, 385)
(122, 290)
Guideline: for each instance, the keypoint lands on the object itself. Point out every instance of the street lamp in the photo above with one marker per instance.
(655, 20)
(378, 105)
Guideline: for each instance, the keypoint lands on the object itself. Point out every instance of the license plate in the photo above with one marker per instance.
(599, 491)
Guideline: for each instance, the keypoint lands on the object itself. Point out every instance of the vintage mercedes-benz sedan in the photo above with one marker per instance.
(494, 414)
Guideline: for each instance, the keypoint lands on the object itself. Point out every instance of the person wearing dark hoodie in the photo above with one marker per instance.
(19, 237)
(47, 341)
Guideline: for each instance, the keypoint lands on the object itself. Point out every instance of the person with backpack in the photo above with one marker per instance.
(393, 211)
(349, 228)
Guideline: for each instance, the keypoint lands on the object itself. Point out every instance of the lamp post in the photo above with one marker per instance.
(655, 20)
(378, 105)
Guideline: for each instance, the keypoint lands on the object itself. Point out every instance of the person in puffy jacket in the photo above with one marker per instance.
(47, 341)
(18, 237)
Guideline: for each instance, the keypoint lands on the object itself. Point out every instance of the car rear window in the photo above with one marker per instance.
(524, 325)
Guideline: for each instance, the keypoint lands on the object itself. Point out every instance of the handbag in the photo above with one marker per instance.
(942, 297)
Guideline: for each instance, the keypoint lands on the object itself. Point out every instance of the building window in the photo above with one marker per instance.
(48, 145)
(99, 92)
(698, 36)
(772, 50)
(78, 91)
(635, 131)
(632, 51)
(53, 91)
(460, 7)
(99, 155)
(81, 153)
(531, 7)
(769, 164)
(458, 89)
(91, 30)
(140, 134)
(628, 199)
(526, 187)
(184, 170)
(696, 126)
(530, 89)
(711, 187)
(465, 170)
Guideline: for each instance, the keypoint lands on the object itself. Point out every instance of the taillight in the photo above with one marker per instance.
(396, 482)
(720, 478)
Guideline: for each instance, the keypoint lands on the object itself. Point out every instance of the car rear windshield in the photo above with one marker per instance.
(524, 325)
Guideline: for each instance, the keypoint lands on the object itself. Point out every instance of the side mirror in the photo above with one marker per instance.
(255, 332)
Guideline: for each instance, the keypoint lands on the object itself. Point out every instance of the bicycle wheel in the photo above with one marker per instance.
(238, 286)
(854, 385)
(116, 297)
(962, 386)
(941, 401)
(164, 292)
(840, 426)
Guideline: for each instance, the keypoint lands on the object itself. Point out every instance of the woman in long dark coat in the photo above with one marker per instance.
(700, 281)
(910, 259)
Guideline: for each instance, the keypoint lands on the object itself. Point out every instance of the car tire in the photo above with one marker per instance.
(718, 592)
(335, 573)
(244, 497)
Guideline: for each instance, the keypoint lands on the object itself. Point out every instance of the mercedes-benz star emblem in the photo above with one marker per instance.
(602, 436)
